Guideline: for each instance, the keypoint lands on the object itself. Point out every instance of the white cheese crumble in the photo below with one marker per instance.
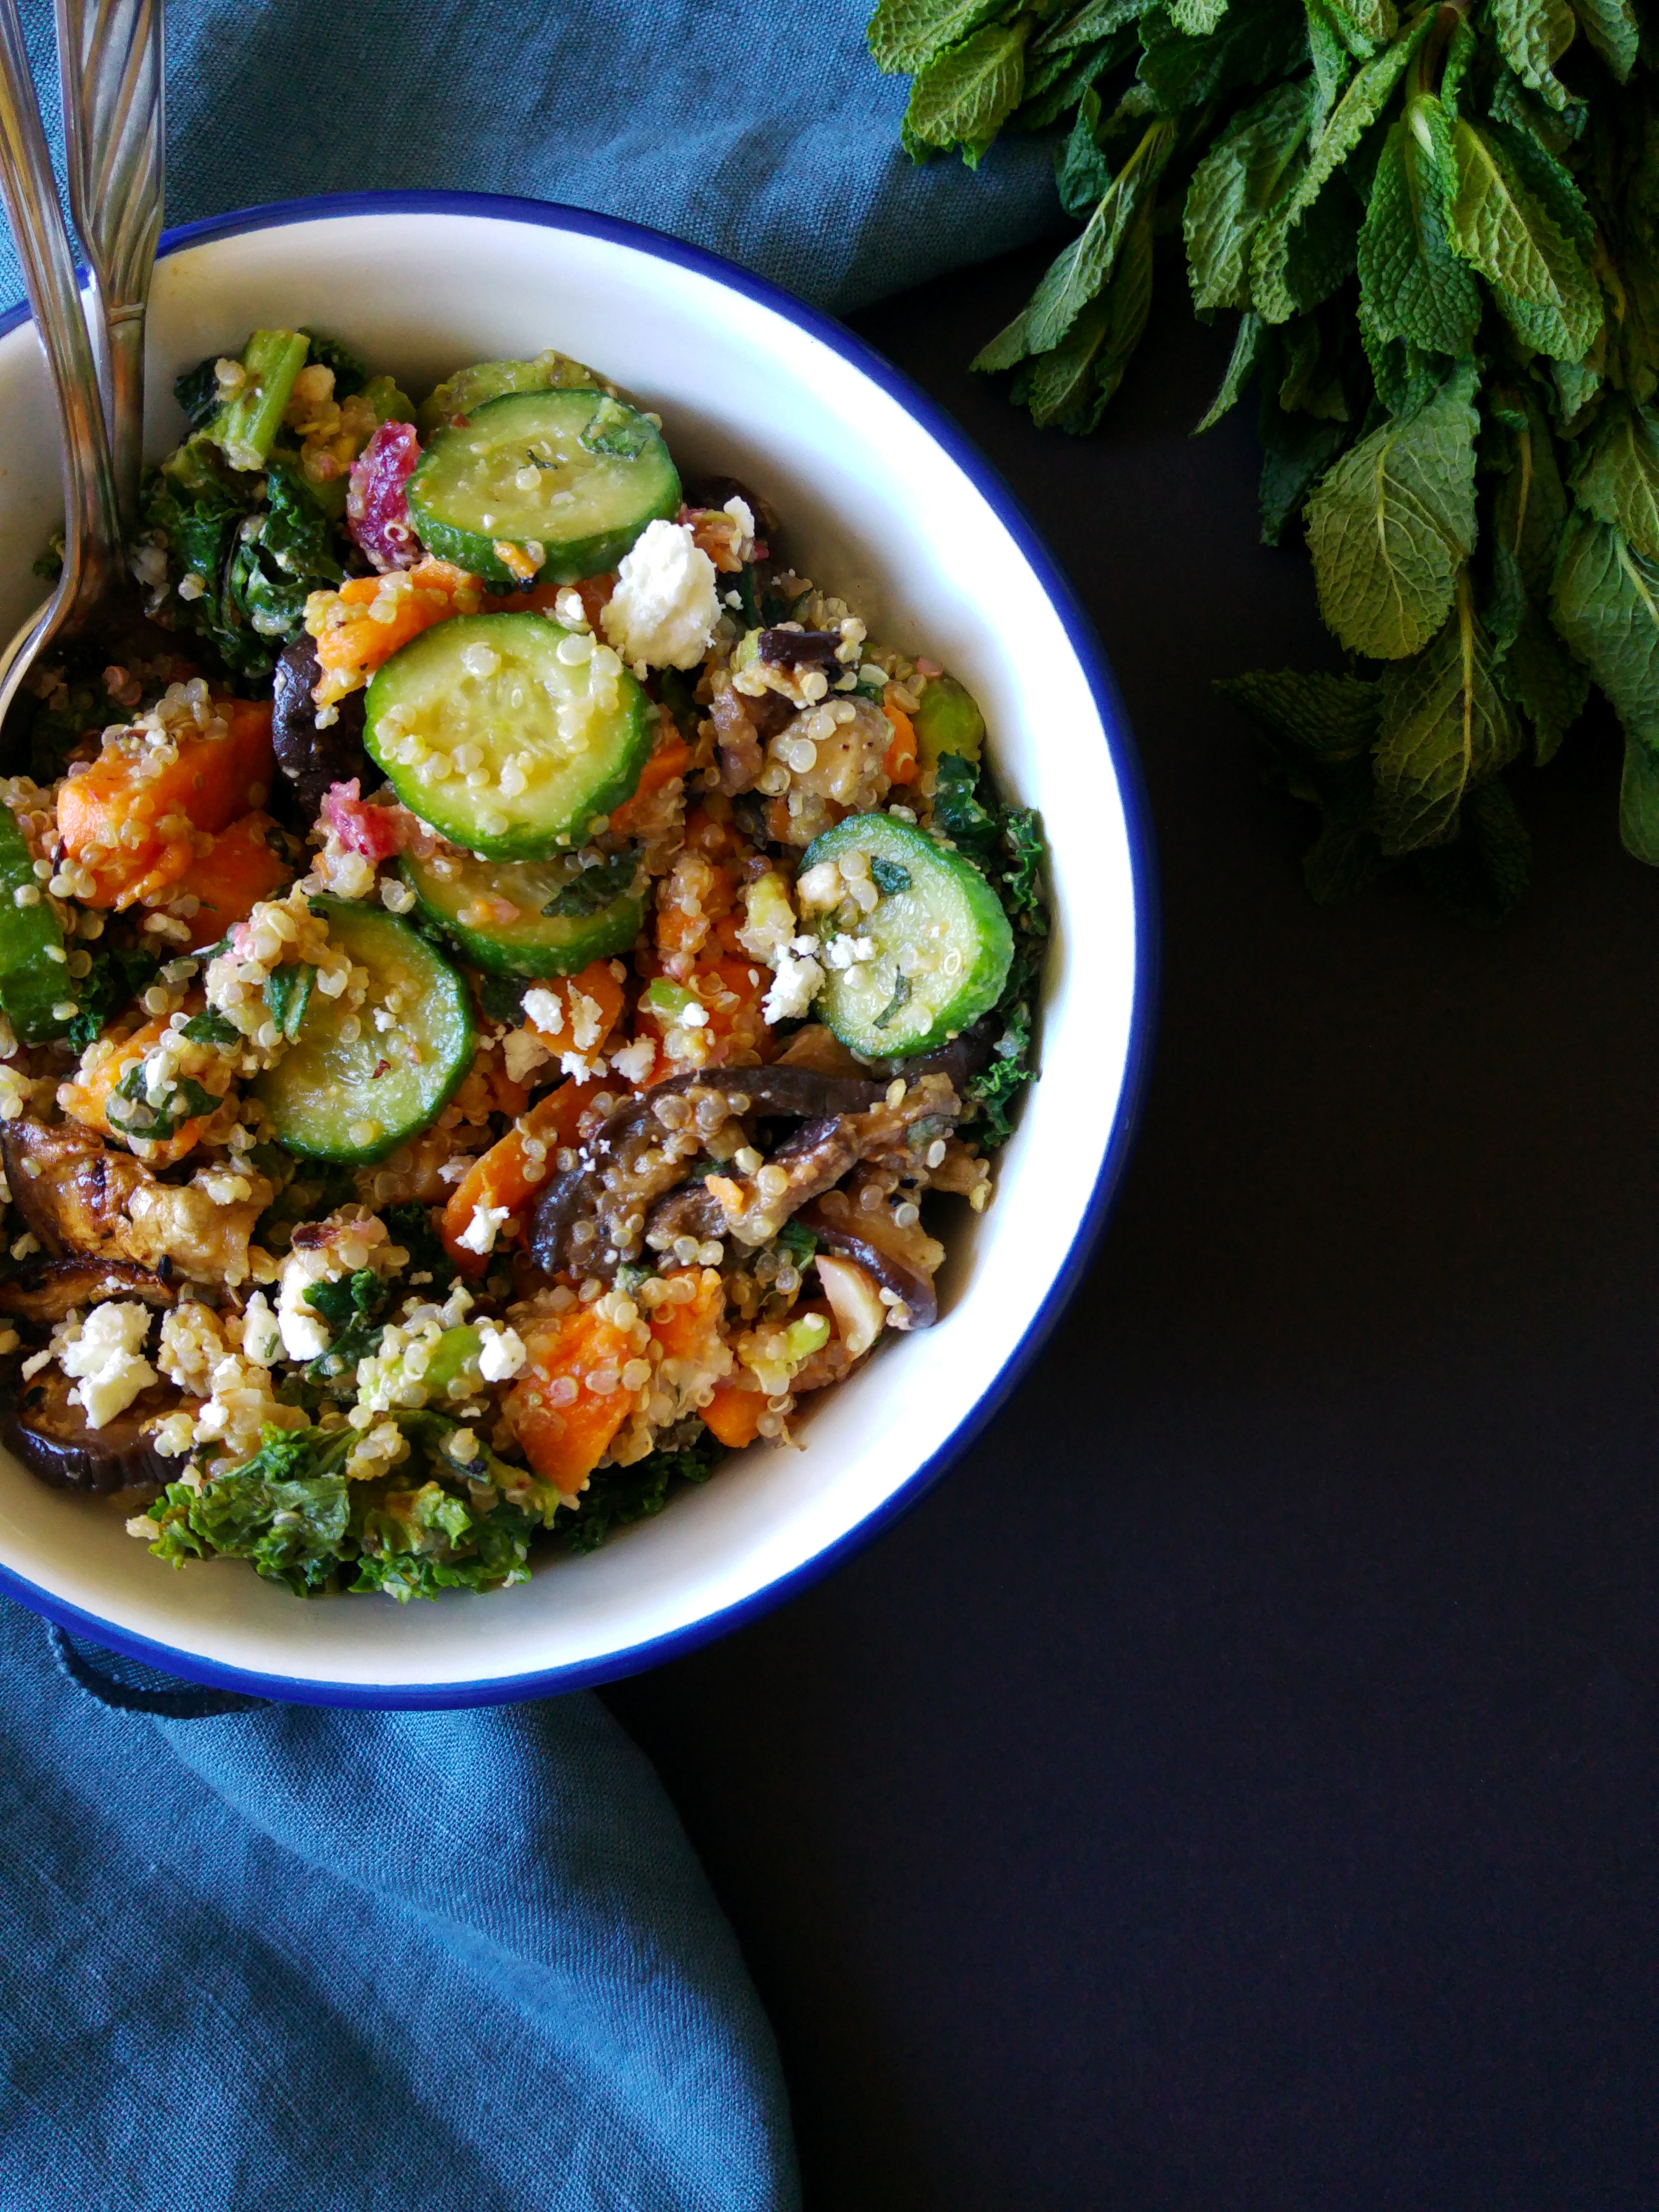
(304, 1332)
(503, 1354)
(635, 1061)
(545, 1010)
(666, 604)
(522, 1053)
(797, 982)
(105, 1354)
(480, 1234)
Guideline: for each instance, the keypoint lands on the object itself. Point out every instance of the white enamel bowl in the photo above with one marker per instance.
(883, 502)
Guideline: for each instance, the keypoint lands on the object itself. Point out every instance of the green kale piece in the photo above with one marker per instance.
(597, 886)
(957, 812)
(285, 1511)
(500, 997)
(352, 1307)
(197, 391)
(616, 1496)
(119, 973)
(349, 373)
(410, 1226)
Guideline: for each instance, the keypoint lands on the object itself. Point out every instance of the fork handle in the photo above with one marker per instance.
(109, 62)
(91, 523)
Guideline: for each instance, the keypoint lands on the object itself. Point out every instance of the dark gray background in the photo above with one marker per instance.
(1233, 1787)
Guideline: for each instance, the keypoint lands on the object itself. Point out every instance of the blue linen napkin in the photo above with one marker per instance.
(443, 1962)
(761, 131)
(457, 1961)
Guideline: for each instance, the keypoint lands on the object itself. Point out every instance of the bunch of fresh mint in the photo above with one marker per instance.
(1440, 233)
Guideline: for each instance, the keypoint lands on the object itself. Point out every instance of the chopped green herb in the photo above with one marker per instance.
(597, 886)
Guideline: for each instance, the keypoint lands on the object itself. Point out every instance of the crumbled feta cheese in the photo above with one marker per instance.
(105, 1352)
(304, 1332)
(522, 1053)
(796, 982)
(261, 1340)
(503, 1354)
(666, 604)
(480, 1234)
(635, 1061)
(743, 514)
(544, 1010)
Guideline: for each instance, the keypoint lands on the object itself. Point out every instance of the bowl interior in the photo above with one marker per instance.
(875, 507)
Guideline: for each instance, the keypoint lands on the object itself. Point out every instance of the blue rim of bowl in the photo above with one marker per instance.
(1084, 643)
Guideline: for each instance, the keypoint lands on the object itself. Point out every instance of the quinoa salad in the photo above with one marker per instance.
(507, 989)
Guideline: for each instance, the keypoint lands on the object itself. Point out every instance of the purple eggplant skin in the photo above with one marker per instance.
(914, 1284)
(44, 1428)
(50, 1290)
(799, 648)
(313, 759)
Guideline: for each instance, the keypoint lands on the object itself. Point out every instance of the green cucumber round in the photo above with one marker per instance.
(560, 729)
(942, 942)
(567, 478)
(353, 1095)
(537, 943)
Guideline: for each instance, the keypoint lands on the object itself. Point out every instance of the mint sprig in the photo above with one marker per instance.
(1438, 228)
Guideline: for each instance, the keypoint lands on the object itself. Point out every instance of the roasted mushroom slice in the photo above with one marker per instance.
(314, 757)
(792, 647)
(594, 1215)
(52, 1289)
(898, 1258)
(46, 1429)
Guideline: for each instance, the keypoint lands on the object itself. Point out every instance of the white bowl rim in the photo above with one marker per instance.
(1085, 642)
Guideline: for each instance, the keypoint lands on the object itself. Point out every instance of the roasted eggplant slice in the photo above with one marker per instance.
(50, 1433)
(53, 1289)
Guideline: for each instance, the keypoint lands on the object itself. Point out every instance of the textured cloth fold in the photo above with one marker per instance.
(763, 132)
(462, 1961)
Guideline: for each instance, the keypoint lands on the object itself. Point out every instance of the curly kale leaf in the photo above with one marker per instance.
(352, 1307)
(285, 1511)
(119, 973)
(349, 373)
(617, 1496)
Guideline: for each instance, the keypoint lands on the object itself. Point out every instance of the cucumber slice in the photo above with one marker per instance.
(35, 976)
(538, 943)
(324, 1097)
(942, 942)
(948, 721)
(550, 722)
(470, 388)
(568, 479)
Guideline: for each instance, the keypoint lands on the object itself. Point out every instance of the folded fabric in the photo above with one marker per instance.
(462, 1962)
(763, 132)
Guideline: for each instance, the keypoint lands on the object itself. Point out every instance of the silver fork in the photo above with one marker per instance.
(110, 62)
(93, 567)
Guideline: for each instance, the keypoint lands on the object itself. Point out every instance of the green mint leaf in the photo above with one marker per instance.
(1617, 474)
(1446, 728)
(1081, 272)
(1257, 42)
(1539, 675)
(1345, 859)
(1613, 29)
(1357, 109)
(1296, 450)
(598, 887)
(1054, 85)
(1069, 387)
(1480, 873)
(1311, 370)
(1530, 505)
(1198, 18)
(1639, 803)
(1247, 352)
(287, 994)
(890, 877)
(1532, 37)
(1605, 603)
(965, 94)
(1332, 65)
(1413, 286)
(1390, 525)
(210, 1027)
(1231, 188)
(1088, 25)
(1082, 173)
(1539, 271)
(1327, 719)
(905, 35)
(1299, 259)
(1461, 51)
(1363, 25)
